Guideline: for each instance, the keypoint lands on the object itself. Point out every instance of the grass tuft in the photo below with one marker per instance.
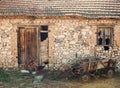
(4, 75)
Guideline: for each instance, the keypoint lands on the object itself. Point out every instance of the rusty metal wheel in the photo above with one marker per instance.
(110, 73)
(85, 77)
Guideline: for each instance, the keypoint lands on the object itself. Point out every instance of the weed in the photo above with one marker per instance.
(4, 75)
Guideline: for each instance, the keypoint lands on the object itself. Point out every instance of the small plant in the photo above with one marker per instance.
(4, 75)
(58, 75)
(53, 75)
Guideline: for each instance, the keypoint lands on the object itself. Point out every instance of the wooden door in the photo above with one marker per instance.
(28, 45)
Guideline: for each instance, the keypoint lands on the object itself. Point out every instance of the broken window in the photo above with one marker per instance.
(105, 37)
(44, 32)
(44, 36)
(44, 28)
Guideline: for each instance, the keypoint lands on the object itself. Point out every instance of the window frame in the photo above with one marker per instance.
(43, 31)
(111, 28)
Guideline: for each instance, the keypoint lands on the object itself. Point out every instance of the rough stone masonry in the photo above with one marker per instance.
(70, 39)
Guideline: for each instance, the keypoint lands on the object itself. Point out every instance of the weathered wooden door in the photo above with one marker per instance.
(28, 45)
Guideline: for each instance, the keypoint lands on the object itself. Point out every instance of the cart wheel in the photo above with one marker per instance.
(85, 77)
(110, 73)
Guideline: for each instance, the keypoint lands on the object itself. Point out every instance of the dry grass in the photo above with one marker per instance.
(25, 81)
(99, 83)
(103, 83)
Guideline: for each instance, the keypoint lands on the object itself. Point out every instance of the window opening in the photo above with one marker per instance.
(44, 36)
(105, 37)
(44, 32)
(44, 28)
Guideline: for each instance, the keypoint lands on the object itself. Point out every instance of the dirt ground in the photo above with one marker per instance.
(97, 83)
(26, 81)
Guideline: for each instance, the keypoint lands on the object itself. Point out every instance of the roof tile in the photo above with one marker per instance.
(87, 8)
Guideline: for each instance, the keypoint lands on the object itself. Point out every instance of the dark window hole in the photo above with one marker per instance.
(44, 28)
(44, 36)
(107, 41)
(106, 47)
(100, 41)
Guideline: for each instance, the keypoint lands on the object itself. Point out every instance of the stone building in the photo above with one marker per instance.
(59, 31)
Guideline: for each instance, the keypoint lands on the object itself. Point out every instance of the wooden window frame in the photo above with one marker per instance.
(43, 31)
(111, 28)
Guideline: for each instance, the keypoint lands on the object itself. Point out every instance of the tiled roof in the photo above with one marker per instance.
(86, 8)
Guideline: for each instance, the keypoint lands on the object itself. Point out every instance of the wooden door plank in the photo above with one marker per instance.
(29, 45)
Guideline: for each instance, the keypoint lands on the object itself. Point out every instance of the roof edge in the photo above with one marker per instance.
(67, 16)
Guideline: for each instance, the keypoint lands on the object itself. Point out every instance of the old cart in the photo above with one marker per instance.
(86, 69)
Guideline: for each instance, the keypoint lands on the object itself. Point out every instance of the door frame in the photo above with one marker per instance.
(41, 31)
(18, 42)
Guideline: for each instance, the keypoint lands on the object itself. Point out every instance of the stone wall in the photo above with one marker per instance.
(70, 39)
(8, 43)
(76, 40)
(73, 41)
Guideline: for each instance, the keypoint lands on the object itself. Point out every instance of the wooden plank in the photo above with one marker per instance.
(28, 39)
